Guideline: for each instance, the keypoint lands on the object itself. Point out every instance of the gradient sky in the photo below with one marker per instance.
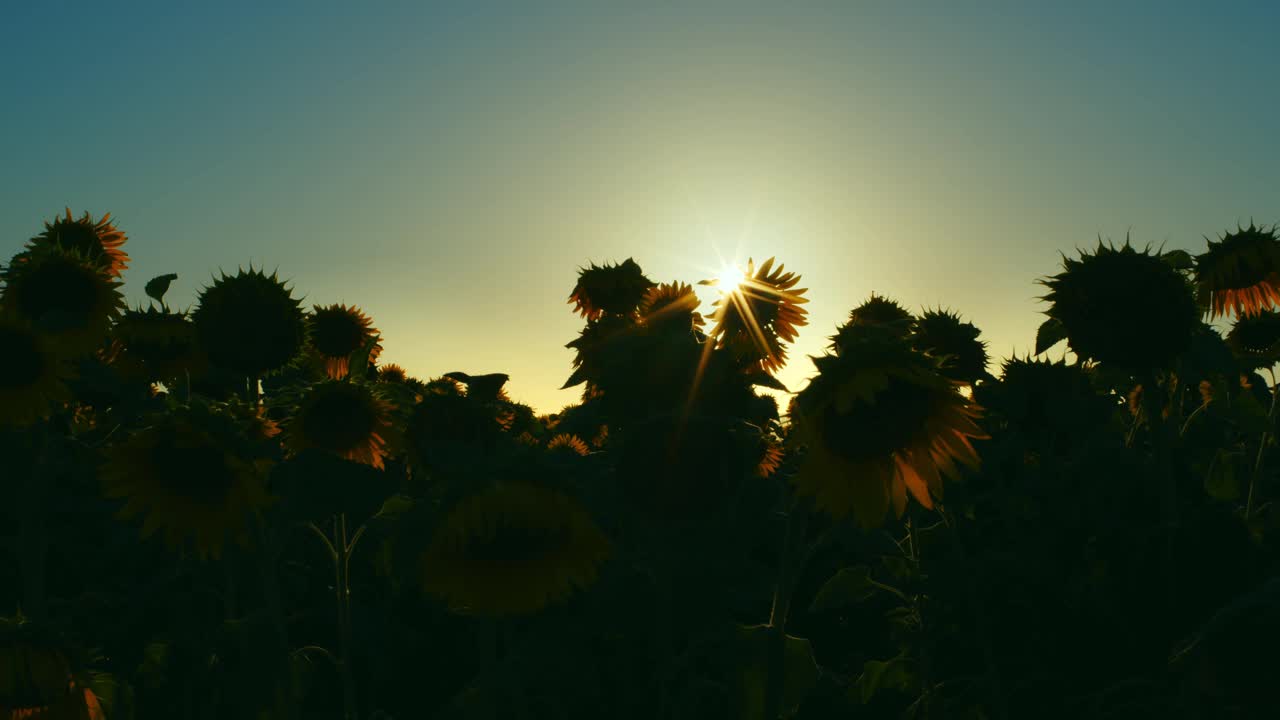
(449, 167)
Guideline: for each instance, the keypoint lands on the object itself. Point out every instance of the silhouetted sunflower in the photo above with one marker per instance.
(1255, 338)
(184, 475)
(754, 319)
(513, 550)
(1126, 308)
(347, 419)
(609, 289)
(31, 373)
(65, 297)
(249, 323)
(337, 332)
(568, 444)
(37, 677)
(942, 334)
(1051, 398)
(770, 460)
(163, 341)
(880, 422)
(671, 305)
(392, 373)
(98, 242)
(1239, 272)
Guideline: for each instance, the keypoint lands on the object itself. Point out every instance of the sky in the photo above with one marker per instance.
(448, 167)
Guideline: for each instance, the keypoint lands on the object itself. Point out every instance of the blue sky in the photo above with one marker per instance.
(448, 167)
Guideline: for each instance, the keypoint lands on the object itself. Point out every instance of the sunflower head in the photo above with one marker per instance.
(877, 315)
(32, 374)
(513, 550)
(392, 373)
(568, 446)
(1255, 338)
(1239, 272)
(671, 306)
(97, 241)
(445, 429)
(880, 422)
(249, 323)
(64, 295)
(347, 419)
(944, 335)
(336, 332)
(1122, 307)
(754, 319)
(39, 677)
(191, 475)
(609, 289)
(163, 341)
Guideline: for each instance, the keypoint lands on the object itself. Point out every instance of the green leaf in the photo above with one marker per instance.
(800, 670)
(849, 586)
(891, 674)
(359, 363)
(1051, 332)
(1223, 481)
(1178, 259)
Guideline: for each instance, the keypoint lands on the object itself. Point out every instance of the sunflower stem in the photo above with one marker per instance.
(1167, 482)
(1262, 444)
(342, 588)
(269, 567)
(783, 589)
(33, 539)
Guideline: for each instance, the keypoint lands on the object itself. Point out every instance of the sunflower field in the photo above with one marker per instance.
(241, 510)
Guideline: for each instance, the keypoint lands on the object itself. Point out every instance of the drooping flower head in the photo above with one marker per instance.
(673, 306)
(337, 332)
(1240, 272)
(98, 242)
(39, 678)
(249, 323)
(163, 341)
(32, 374)
(880, 422)
(568, 445)
(347, 419)
(192, 475)
(609, 289)
(754, 319)
(1122, 307)
(513, 550)
(878, 314)
(944, 335)
(65, 296)
(1255, 338)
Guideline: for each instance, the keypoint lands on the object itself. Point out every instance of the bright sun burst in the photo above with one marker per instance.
(730, 278)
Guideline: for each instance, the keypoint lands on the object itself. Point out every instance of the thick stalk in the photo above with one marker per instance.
(342, 589)
(783, 589)
(1167, 487)
(270, 568)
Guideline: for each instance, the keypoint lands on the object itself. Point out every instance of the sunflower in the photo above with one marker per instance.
(762, 312)
(337, 332)
(671, 305)
(347, 419)
(1255, 338)
(249, 323)
(163, 341)
(446, 428)
(184, 475)
(569, 445)
(609, 289)
(37, 677)
(942, 334)
(513, 550)
(1122, 307)
(392, 373)
(881, 422)
(1238, 273)
(65, 296)
(31, 373)
(97, 241)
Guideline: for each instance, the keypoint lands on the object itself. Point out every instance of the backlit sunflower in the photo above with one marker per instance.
(184, 476)
(1122, 307)
(98, 241)
(347, 419)
(609, 289)
(249, 323)
(1049, 400)
(877, 314)
(1239, 272)
(392, 373)
(65, 296)
(671, 305)
(880, 423)
(31, 373)
(337, 332)
(942, 334)
(163, 341)
(37, 677)
(569, 445)
(1255, 338)
(764, 311)
(513, 550)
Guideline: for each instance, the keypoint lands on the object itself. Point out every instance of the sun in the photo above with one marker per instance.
(730, 278)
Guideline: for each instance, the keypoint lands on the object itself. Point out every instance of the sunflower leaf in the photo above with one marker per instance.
(358, 366)
(1051, 332)
(891, 674)
(1178, 259)
(849, 586)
